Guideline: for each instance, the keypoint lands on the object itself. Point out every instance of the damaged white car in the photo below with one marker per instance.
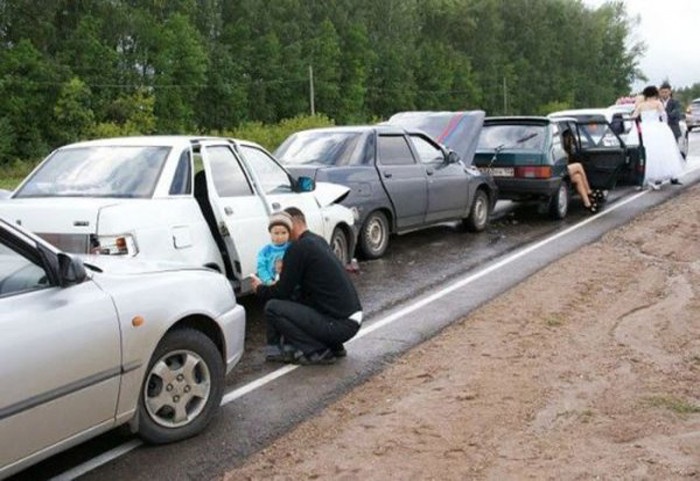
(205, 201)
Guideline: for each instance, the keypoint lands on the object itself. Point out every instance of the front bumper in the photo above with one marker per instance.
(233, 326)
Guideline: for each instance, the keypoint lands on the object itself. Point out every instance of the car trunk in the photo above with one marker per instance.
(66, 223)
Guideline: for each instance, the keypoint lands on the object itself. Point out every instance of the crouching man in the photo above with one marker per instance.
(314, 307)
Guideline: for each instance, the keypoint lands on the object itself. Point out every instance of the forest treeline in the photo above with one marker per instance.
(76, 69)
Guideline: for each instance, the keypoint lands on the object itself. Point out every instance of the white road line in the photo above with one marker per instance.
(258, 383)
(98, 461)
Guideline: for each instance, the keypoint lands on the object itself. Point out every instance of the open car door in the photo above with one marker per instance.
(240, 214)
(602, 153)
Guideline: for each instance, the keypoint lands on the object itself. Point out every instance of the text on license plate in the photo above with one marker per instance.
(498, 171)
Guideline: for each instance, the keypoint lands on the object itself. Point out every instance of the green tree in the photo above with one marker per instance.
(73, 117)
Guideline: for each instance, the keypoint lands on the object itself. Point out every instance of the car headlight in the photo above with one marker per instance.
(115, 245)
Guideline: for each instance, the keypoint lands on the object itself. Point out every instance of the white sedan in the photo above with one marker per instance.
(204, 201)
(91, 344)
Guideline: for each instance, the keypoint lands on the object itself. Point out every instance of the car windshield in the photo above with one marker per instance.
(319, 148)
(512, 136)
(107, 171)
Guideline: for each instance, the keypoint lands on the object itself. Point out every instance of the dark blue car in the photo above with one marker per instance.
(400, 179)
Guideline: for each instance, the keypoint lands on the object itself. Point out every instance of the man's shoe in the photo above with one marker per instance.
(338, 350)
(275, 353)
(284, 357)
(676, 182)
(315, 358)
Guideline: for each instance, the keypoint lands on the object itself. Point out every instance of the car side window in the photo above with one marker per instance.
(274, 179)
(427, 153)
(19, 274)
(394, 150)
(558, 150)
(227, 174)
(182, 181)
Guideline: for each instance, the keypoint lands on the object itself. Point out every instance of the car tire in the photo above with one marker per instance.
(559, 202)
(479, 213)
(195, 369)
(374, 236)
(340, 245)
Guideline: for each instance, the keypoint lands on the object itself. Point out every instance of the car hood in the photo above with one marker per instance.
(328, 193)
(56, 214)
(458, 131)
(124, 266)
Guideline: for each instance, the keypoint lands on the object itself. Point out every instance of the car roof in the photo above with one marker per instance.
(519, 119)
(383, 128)
(604, 111)
(152, 140)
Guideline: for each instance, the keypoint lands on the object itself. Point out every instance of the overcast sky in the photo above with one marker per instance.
(671, 31)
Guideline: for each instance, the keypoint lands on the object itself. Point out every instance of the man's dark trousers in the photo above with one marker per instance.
(307, 329)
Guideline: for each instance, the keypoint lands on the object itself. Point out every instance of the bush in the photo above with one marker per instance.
(272, 135)
(12, 173)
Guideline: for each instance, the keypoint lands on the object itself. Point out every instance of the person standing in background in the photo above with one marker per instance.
(674, 113)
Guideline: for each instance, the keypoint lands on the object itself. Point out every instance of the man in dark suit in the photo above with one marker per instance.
(673, 108)
(673, 114)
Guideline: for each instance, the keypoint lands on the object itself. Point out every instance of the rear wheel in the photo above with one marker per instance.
(374, 236)
(182, 389)
(559, 202)
(339, 245)
(479, 213)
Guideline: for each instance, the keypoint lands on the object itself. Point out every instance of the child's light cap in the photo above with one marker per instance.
(280, 218)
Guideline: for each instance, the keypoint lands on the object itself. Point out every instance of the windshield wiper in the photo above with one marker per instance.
(527, 137)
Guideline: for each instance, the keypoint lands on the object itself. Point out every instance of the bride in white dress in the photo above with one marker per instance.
(663, 159)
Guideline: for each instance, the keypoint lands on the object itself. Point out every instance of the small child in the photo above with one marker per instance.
(270, 256)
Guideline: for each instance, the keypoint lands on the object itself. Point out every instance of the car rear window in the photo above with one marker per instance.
(105, 171)
(516, 136)
(321, 148)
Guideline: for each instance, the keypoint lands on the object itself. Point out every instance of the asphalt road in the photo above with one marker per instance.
(427, 280)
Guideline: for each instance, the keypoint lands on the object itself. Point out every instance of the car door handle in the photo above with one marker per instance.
(228, 210)
(429, 171)
(388, 175)
(276, 206)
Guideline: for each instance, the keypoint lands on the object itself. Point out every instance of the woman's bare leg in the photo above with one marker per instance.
(579, 183)
(577, 168)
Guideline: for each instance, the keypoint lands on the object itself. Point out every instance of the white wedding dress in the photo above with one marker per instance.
(663, 159)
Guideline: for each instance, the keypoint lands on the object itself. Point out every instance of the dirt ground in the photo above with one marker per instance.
(588, 370)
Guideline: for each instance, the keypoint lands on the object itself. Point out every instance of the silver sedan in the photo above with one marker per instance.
(90, 344)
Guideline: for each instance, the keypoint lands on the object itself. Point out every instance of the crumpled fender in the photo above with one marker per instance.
(327, 193)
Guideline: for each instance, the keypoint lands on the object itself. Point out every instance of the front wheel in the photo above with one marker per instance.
(182, 389)
(340, 245)
(374, 236)
(559, 202)
(479, 213)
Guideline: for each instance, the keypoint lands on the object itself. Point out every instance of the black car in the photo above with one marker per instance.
(400, 180)
(526, 157)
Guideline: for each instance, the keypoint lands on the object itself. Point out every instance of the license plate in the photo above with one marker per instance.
(498, 171)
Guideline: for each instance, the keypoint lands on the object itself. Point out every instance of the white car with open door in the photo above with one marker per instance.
(92, 343)
(205, 201)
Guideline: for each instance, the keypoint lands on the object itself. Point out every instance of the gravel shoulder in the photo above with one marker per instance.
(590, 369)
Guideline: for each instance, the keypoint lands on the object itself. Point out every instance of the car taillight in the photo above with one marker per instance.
(115, 245)
(534, 172)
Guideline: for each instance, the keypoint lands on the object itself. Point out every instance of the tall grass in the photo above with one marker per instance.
(12, 174)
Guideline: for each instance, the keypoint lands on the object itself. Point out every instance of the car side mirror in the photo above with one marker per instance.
(71, 270)
(452, 157)
(305, 184)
